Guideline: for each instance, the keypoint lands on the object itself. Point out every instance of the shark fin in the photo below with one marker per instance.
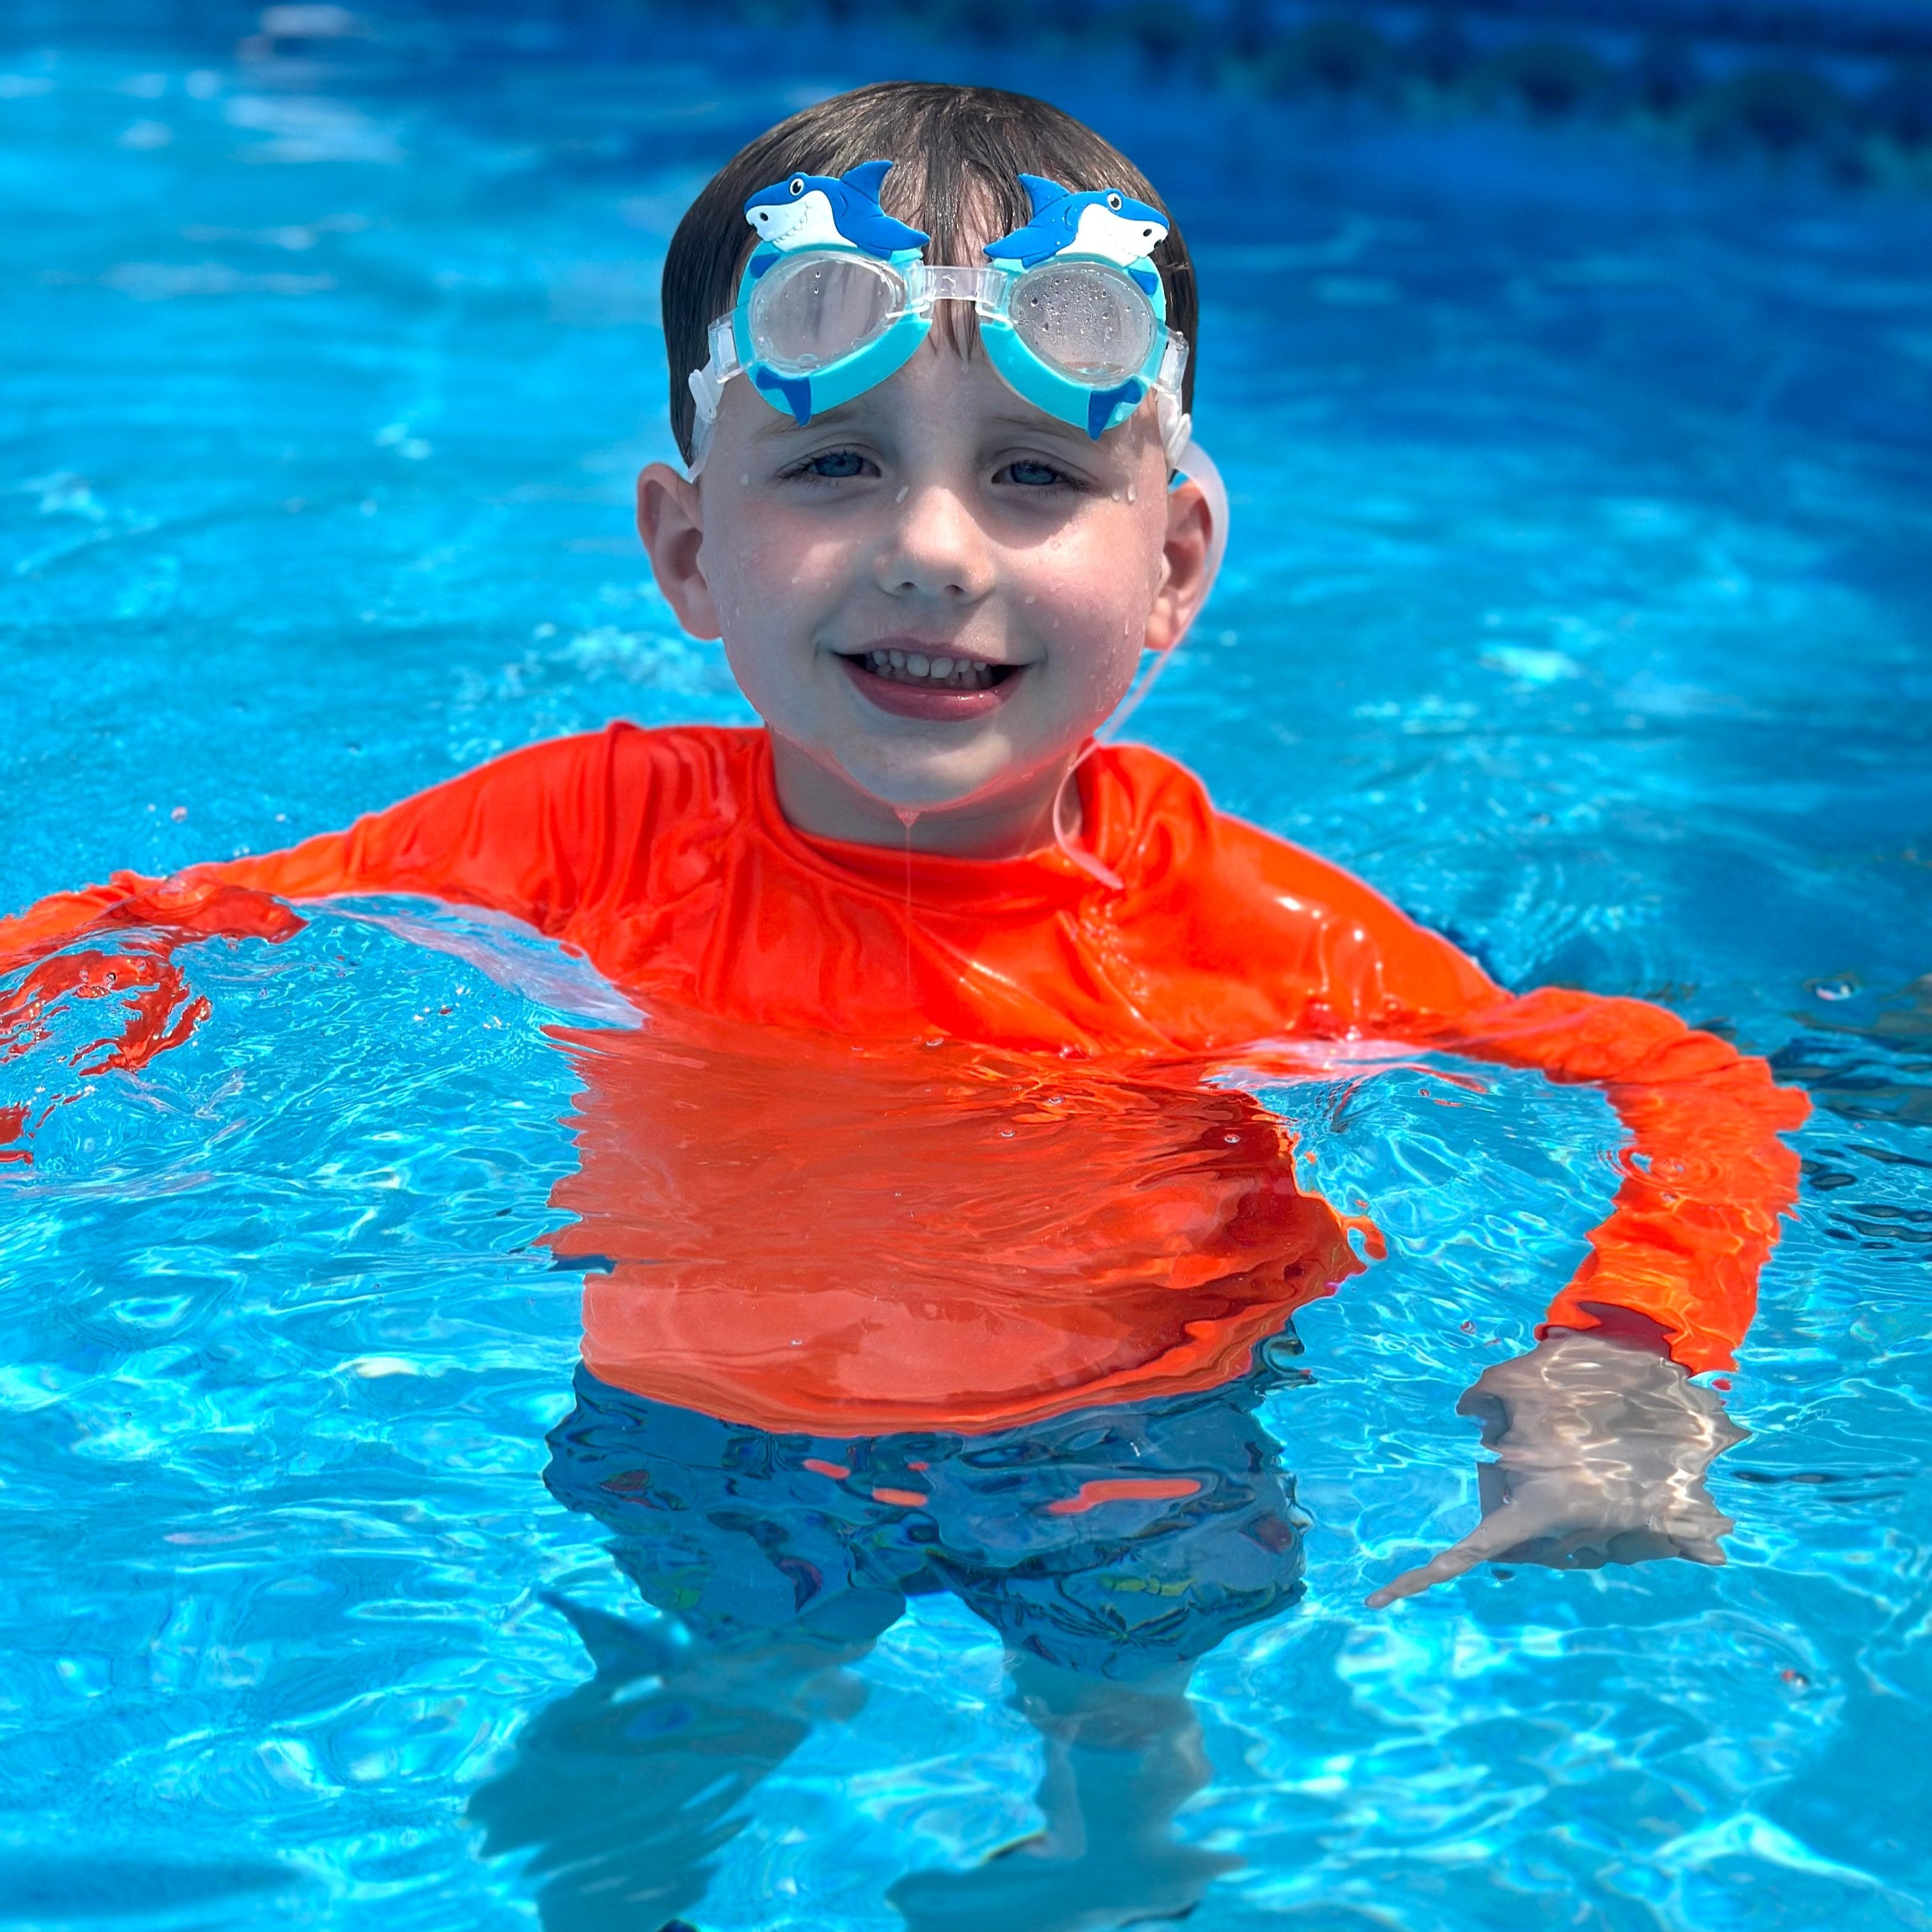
(867, 178)
(1101, 405)
(795, 393)
(1044, 193)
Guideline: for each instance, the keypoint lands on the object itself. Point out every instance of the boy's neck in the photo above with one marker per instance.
(822, 804)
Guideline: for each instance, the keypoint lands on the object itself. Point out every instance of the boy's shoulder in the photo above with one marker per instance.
(1160, 815)
(723, 751)
(625, 770)
(1237, 888)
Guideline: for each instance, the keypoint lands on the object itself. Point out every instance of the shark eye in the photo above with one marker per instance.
(797, 185)
(1113, 201)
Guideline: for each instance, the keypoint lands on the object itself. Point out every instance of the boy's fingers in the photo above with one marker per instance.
(1413, 1582)
(1493, 1537)
(1496, 1535)
(1701, 1550)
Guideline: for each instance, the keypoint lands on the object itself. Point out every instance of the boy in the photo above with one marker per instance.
(935, 545)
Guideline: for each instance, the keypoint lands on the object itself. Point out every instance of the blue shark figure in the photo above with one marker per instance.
(1102, 223)
(829, 212)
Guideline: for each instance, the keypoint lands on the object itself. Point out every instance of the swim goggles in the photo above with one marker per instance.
(837, 295)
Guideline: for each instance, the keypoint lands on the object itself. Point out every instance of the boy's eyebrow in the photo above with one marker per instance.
(1038, 423)
(779, 424)
(1019, 420)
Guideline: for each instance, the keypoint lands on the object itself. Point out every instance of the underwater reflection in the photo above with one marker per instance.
(862, 1322)
(806, 1233)
(1111, 1547)
(861, 1325)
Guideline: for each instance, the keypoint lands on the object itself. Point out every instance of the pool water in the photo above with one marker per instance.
(1580, 597)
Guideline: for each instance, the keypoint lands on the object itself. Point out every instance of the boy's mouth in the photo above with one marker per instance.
(912, 683)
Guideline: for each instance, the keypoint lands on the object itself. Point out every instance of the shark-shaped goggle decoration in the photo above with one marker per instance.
(837, 296)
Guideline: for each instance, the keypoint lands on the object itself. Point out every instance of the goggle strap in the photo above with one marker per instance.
(1177, 425)
(707, 391)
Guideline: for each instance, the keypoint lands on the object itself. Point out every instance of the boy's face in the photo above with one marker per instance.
(937, 520)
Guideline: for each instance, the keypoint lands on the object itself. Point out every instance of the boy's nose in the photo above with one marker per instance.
(936, 549)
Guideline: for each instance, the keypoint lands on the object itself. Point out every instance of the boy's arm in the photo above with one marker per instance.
(1601, 1437)
(511, 835)
(516, 835)
(1706, 1178)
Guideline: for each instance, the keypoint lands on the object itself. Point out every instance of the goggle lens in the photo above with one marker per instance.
(809, 311)
(1086, 320)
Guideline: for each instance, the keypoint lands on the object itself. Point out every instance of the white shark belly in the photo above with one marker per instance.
(1113, 238)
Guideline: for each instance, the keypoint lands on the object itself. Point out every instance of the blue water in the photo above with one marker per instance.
(1580, 596)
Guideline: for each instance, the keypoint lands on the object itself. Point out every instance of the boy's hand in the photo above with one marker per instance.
(1601, 1448)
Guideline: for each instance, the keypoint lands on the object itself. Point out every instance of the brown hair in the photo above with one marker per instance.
(957, 153)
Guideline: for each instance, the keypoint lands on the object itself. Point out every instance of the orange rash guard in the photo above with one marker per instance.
(924, 1141)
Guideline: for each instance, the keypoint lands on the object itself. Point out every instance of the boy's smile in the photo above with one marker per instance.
(932, 595)
(913, 677)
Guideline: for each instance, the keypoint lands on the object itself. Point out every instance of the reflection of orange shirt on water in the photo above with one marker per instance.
(979, 1178)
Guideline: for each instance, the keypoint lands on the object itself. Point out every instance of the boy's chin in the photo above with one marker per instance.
(948, 778)
(963, 779)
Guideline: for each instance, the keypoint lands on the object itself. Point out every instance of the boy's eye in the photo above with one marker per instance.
(835, 465)
(1032, 474)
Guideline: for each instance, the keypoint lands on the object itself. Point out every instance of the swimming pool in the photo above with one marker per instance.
(1579, 598)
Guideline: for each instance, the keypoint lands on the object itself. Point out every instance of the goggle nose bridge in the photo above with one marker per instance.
(987, 288)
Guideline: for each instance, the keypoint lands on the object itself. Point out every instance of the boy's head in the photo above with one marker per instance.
(936, 517)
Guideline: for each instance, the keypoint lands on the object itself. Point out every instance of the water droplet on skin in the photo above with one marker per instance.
(905, 490)
(1131, 497)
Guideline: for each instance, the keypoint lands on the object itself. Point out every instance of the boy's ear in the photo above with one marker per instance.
(1186, 560)
(670, 520)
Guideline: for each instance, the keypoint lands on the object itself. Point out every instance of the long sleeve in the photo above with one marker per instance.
(503, 836)
(510, 835)
(1706, 1177)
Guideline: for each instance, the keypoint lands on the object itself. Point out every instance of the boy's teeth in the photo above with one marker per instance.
(916, 667)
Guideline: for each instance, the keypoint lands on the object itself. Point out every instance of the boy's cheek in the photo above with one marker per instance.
(772, 584)
(768, 549)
